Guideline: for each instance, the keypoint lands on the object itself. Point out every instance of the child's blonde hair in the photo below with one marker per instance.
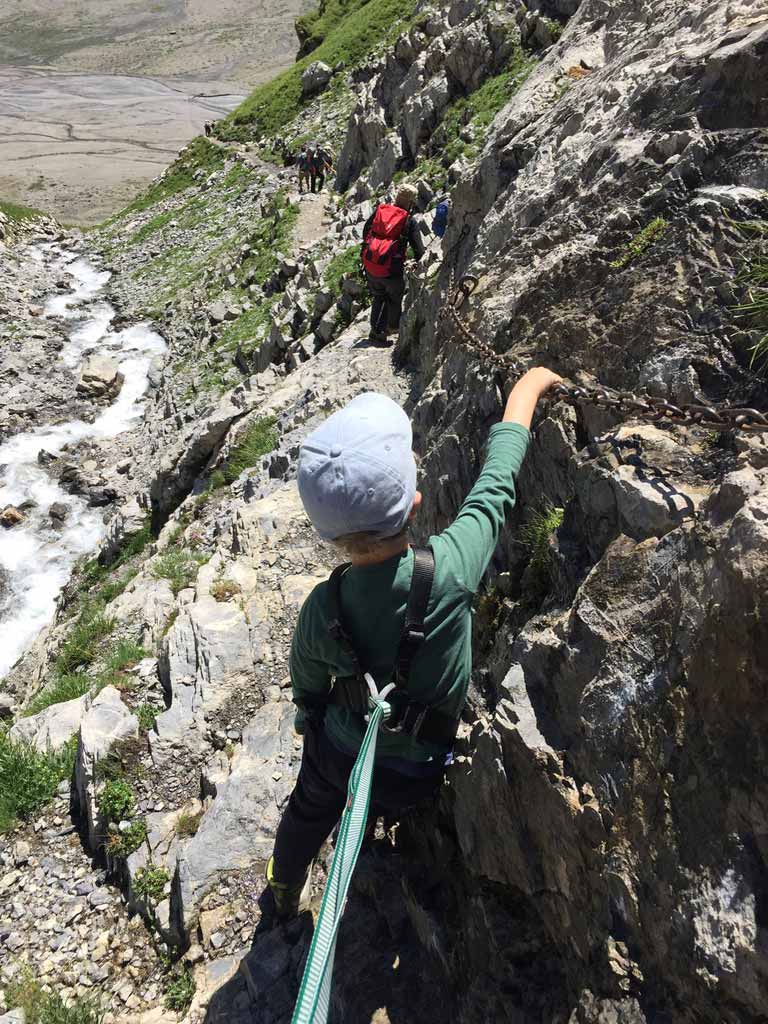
(361, 544)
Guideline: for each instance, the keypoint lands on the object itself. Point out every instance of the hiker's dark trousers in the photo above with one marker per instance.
(317, 181)
(386, 302)
(318, 800)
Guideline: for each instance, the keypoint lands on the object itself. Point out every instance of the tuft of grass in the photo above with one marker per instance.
(81, 646)
(180, 568)
(343, 264)
(361, 30)
(123, 844)
(535, 536)
(258, 438)
(64, 688)
(117, 800)
(125, 655)
(755, 276)
(187, 824)
(179, 990)
(225, 590)
(18, 213)
(149, 883)
(41, 1007)
(642, 241)
(147, 716)
(28, 778)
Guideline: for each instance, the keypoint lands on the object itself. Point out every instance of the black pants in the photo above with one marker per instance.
(318, 800)
(386, 302)
(318, 178)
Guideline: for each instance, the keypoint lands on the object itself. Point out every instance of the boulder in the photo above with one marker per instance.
(58, 512)
(315, 78)
(99, 378)
(54, 726)
(11, 516)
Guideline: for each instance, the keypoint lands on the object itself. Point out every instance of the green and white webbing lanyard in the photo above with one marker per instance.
(315, 992)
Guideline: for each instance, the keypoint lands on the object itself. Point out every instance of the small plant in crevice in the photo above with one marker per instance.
(754, 276)
(149, 883)
(225, 590)
(147, 716)
(259, 437)
(179, 567)
(116, 801)
(179, 987)
(536, 536)
(187, 823)
(123, 844)
(125, 655)
(641, 242)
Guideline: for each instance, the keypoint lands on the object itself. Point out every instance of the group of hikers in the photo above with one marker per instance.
(313, 162)
(397, 613)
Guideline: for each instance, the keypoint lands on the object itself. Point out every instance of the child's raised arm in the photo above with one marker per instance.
(526, 393)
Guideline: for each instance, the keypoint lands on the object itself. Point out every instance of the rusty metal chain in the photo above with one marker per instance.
(624, 403)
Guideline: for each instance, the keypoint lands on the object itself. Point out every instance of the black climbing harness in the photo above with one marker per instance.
(409, 717)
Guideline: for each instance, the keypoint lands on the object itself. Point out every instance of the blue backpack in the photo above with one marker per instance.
(440, 221)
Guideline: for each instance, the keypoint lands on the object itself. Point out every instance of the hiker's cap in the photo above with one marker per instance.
(406, 196)
(357, 473)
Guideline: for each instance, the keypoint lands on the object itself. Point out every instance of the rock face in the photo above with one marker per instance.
(599, 852)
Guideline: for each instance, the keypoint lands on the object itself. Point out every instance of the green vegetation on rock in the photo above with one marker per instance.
(470, 116)
(149, 883)
(199, 155)
(536, 535)
(147, 716)
(258, 438)
(117, 800)
(41, 1007)
(755, 277)
(82, 643)
(29, 778)
(179, 990)
(123, 844)
(359, 31)
(17, 213)
(65, 687)
(313, 27)
(179, 567)
(642, 241)
(344, 264)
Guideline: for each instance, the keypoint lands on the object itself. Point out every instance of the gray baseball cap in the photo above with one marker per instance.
(357, 473)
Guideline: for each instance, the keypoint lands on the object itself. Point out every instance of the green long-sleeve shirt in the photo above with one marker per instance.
(374, 598)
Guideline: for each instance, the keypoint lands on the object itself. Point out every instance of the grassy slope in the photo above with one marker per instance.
(360, 32)
(18, 213)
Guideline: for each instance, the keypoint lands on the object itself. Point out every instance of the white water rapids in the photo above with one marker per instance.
(37, 558)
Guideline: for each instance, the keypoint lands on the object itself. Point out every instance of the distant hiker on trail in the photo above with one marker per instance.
(357, 481)
(440, 219)
(303, 165)
(207, 128)
(321, 163)
(386, 236)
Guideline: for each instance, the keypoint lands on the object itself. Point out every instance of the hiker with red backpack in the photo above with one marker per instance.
(386, 237)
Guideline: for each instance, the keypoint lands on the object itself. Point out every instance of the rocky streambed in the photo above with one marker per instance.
(51, 515)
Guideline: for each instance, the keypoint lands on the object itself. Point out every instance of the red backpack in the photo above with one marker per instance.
(384, 245)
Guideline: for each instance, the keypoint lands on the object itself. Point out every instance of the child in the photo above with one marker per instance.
(357, 481)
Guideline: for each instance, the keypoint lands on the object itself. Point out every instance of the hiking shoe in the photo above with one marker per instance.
(374, 338)
(290, 900)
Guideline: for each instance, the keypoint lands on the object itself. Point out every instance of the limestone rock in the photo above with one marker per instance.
(315, 78)
(100, 378)
(106, 722)
(54, 726)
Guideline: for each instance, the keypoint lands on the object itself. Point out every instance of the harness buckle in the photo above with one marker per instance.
(408, 723)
